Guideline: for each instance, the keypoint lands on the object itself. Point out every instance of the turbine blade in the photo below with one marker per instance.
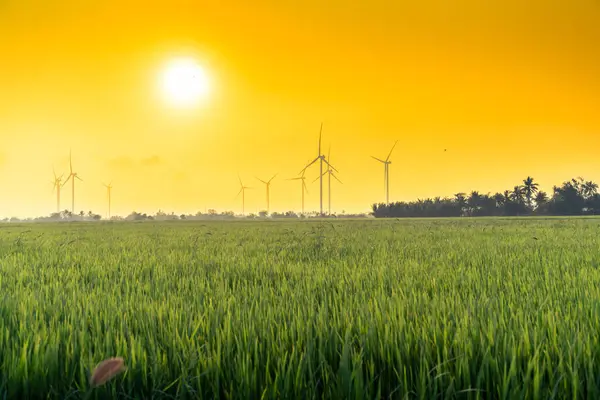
(77, 176)
(304, 186)
(238, 195)
(273, 177)
(261, 180)
(320, 134)
(388, 157)
(66, 180)
(323, 174)
(240, 179)
(54, 172)
(311, 163)
(378, 159)
(332, 174)
(332, 167)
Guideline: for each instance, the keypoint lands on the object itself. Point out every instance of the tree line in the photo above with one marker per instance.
(574, 197)
(211, 214)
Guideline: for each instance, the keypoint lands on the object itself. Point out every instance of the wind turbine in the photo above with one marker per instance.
(303, 188)
(268, 184)
(330, 173)
(108, 189)
(243, 192)
(56, 186)
(72, 176)
(321, 159)
(386, 173)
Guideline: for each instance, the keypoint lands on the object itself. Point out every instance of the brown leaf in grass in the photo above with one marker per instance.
(107, 370)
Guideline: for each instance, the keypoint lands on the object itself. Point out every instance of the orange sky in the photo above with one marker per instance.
(509, 89)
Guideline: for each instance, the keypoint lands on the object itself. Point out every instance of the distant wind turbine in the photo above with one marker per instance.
(243, 193)
(321, 159)
(108, 189)
(268, 185)
(72, 176)
(386, 173)
(56, 186)
(329, 173)
(303, 187)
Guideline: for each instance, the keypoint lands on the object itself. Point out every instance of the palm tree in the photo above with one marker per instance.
(474, 202)
(530, 188)
(517, 194)
(590, 189)
(578, 185)
(487, 205)
(461, 201)
(541, 199)
(500, 199)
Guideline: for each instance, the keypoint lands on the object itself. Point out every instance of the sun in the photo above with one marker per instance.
(184, 82)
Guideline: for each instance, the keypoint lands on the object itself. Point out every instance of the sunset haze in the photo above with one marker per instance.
(508, 88)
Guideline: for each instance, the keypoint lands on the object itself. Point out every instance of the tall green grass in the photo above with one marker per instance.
(424, 309)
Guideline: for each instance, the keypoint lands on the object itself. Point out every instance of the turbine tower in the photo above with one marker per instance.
(243, 192)
(72, 176)
(108, 189)
(386, 173)
(303, 187)
(329, 173)
(321, 159)
(268, 185)
(56, 186)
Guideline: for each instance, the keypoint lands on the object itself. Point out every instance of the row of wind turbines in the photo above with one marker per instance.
(329, 172)
(59, 183)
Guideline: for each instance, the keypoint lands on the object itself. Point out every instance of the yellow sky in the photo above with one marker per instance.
(511, 88)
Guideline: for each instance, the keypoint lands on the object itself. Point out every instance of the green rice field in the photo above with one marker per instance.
(361, 309)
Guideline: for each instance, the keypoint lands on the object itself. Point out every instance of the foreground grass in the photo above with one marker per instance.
(359, 309)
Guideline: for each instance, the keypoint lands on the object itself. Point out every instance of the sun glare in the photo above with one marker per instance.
(184, 82)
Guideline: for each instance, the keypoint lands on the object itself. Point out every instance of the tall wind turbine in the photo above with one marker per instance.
(72, 176)
(386, 173)
(329, 173)
(57, 184)
(243, 192)
(303, 187)
(321, 159)
(108, 189)
(268, 184)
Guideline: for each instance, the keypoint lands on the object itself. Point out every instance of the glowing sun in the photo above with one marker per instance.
(184, 82)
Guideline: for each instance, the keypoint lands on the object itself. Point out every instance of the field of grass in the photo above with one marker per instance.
(469, 308)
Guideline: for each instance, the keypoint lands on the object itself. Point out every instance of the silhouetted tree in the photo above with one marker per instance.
(589, 189)
(461, 201)
(541, 201)
(517, 194)
(530, 188)
(574, 197)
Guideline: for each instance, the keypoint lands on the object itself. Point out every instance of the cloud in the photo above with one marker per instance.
(121, 162)
(151, 161)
